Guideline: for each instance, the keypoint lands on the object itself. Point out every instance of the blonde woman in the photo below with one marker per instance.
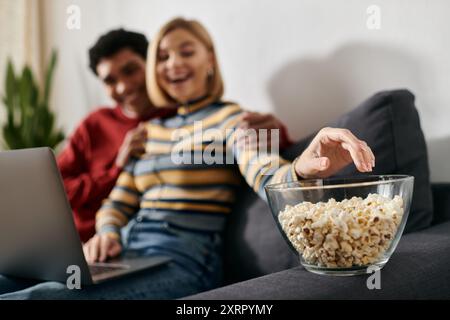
(161, 205)
(180, 209)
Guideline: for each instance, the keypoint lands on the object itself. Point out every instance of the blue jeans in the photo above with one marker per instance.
(196, 267)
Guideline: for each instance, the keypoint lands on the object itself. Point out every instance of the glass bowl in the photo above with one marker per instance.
(342, 226)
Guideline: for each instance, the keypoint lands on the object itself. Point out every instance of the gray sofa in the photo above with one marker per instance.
(258, 264)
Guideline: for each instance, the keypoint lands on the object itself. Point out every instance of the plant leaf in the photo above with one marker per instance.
(10, 85)
(30, 122)
(49, 77)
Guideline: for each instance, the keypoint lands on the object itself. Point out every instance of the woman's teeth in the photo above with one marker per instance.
(180, 79)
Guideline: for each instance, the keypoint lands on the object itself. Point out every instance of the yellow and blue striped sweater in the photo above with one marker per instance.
(194, 194)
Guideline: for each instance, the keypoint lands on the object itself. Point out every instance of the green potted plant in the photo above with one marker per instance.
(30, 123)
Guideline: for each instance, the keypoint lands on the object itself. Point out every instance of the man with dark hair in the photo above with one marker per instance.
(115, 40)
(105, 140)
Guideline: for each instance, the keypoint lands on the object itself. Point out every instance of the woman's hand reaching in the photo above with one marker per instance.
(330, 151)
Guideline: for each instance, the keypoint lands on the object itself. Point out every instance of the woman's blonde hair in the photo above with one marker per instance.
(157, 95)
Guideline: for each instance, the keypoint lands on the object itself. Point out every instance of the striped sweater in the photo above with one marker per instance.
(175, 182)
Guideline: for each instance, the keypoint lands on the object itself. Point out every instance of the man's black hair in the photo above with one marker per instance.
(115, 40)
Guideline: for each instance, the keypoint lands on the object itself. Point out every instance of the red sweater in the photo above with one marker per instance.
(87, 163)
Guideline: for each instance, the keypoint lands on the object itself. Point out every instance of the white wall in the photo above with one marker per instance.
(308, 61)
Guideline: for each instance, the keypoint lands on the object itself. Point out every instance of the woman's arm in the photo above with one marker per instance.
(121, 205)
(331, 150)
(116, 211)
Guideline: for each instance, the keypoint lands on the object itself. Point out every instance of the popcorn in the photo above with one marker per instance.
(352, 232)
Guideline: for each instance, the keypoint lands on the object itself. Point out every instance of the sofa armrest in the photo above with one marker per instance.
(418, 269)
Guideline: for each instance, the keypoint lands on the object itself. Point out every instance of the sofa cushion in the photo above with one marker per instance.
(389, 123)
(418, 269)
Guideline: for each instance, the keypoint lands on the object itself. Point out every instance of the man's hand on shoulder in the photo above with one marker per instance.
(132, 146)
(257, 121)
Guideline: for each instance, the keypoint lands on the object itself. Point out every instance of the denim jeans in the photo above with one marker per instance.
(196, 267)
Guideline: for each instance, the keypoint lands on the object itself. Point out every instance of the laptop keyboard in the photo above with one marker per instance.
(95, 269)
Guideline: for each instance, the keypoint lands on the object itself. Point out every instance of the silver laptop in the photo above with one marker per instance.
(38, 238)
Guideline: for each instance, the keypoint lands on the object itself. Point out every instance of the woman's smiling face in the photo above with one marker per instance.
(183, 65)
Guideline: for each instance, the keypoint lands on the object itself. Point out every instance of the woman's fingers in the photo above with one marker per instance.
(361, 154)
(93, 249)
(368, 155)
(357, 156)
(104, 248)
(86, 251)
(366, 151)
(372, 156)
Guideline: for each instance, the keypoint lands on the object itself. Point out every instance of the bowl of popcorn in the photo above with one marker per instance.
(342, 226)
